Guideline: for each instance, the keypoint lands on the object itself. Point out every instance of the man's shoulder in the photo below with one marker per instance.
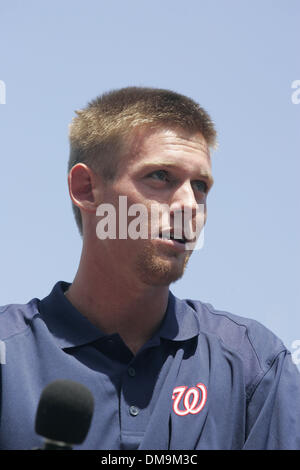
(235, 328)
(256, 344)
(16, 318)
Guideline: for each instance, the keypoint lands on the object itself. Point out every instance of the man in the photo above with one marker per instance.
(165, 373)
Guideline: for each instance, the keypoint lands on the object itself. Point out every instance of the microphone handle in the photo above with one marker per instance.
(49, 444)
(56, 445)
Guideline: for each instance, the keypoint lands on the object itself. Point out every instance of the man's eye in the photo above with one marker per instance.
(201, 186)
(159, 175)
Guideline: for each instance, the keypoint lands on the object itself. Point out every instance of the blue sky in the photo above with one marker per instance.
(237, 58)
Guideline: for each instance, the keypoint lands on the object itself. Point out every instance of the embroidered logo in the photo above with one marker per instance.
(192, 402)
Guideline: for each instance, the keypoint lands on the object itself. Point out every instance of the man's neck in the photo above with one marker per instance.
(115, 305)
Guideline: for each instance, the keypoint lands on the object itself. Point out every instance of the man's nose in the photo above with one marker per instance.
(186, 213)
(184, 199)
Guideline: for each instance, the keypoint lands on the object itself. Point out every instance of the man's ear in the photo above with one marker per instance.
(85, 187)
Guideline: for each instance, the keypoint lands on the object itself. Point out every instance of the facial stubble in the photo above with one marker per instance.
(161, 267)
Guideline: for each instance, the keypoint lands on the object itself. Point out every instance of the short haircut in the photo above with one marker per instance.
(100, 133)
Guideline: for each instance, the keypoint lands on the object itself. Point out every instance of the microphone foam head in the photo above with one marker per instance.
(64, 412)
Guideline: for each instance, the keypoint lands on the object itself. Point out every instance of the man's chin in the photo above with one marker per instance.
(161, 270)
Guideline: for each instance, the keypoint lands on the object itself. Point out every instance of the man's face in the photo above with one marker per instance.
(166, 168)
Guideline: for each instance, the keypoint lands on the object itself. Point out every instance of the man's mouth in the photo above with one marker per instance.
(170, 236)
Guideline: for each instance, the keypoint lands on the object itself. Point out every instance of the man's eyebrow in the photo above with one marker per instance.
(164, 163)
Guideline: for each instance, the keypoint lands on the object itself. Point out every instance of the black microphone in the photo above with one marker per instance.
(64, 414)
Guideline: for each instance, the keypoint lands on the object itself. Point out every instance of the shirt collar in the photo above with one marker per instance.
(181, 322)
(70, 328)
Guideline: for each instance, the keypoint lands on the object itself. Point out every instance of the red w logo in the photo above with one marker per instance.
(191, 398)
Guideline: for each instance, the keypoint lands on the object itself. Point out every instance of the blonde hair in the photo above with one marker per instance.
(100, 133)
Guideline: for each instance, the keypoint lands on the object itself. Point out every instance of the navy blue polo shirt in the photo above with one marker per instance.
(207, 379)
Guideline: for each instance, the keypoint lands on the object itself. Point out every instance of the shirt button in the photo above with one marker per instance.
(131, 371)
(134, 411)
